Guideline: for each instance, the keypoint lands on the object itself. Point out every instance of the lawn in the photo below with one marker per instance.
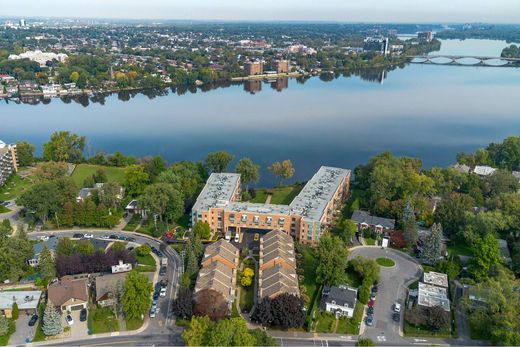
(325, 322)
(422, 331)
(82, 171)
(133, 324)
(386, 262)
(261, 196)
(102, 320)
(4, 209)
(145, 260)
(351, 325)
(369, 241)
(4, 339)
(133, 223)
(14, 187)
(247, 297)
(283, 195)
(460, 249)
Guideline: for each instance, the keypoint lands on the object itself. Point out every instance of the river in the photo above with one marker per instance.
(425, 111)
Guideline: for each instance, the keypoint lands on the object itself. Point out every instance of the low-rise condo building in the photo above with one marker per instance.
(8, 161)
(310, 213)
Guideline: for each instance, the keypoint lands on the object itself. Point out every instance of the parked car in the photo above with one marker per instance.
(237, 237)
(69, 319)
(370, 310)
(103, 237)
(370, 320)
(396, 316)
(397, 307)
(88, 236)
(33, 320)
(131, 239)
(257, 236)
(371, 303)
(156, 295)
(77, 236)
(162, 271)
(374, 289)
(164, 283)
(163, 292)
(83, 315)
(113, 237)
(44, 238)
(152, 312)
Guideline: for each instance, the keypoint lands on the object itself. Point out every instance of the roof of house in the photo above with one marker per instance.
(482, 170)
(341, 296)
(462, 168)
(277, 280)
(26, 299)
(107, 284)
(51, 244)
(436, 278)
(312, 201)
(364, 217)
(430, 296)
(278, 246)
(84, 193)
(221, 248)
(66, 289)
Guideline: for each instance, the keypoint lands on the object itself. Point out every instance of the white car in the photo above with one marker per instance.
(88, 236)
(397, 307)
(104, 237)
(237, 237)
(163, 292)
(44, 238)
(69, 319)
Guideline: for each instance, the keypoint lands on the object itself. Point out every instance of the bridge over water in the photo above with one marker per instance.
(465, 60)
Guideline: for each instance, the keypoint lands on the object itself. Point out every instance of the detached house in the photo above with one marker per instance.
(339, 300)
(69, 294)
(364, 220)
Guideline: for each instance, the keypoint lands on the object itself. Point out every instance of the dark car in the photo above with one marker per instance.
(33, 320)
(156, 295)
(396, 316)
(160, 254)
(370, 320)
(370, 310)
(113, 237)
(374, 289)
(77, 236)
(131, 239)
(162, 271)
(158, 286)
(164, 283)
(83, 315)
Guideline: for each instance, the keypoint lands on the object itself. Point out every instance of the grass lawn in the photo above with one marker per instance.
(351, 325)
(4, 209)
(369, 241)
(102, 320)
(422, 331)
(281, 195)
(133, 223)
(386, 262)
(14, 187)
(247, 297)
(4, 339)
(308, 264)
(325, 322)
(460, 249)
(145, 260)
(261, 196)
(133, 324)
(84, 170)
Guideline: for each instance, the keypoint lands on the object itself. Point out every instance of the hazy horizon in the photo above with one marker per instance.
(368, 11)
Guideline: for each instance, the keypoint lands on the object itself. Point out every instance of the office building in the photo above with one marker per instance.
(425, 36)
(309, 215)
(22, 23)
(8, 161)
(253, 68)
(40, 57)
(281, 66)
(376, 44)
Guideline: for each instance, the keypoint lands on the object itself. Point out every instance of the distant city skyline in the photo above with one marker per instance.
(382, 11)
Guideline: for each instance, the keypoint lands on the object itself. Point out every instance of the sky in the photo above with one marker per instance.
(381, 11)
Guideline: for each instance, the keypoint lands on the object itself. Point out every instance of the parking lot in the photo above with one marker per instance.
(391, 289)
(77, 329)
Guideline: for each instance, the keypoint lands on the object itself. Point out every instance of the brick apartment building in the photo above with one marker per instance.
(281, 66)
(8, 161)
(254, 68)
(308, 216)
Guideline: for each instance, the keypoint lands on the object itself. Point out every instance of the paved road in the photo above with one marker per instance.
(162, 323)
(392, 288)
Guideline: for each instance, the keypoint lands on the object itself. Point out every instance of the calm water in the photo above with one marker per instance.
(432, 112)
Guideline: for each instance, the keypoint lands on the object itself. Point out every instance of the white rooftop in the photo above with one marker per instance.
(484, 170)
(317, 193)
(257, 208)
(436, 278)
(25, 299)
(218, 191)
(433, 296)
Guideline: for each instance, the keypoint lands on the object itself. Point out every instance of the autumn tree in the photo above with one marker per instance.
(209, 302)
(283, 170)
(284, 311)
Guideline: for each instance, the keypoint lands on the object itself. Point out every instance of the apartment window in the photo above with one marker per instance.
(256, 219)
(244, 218)
(281, 221)
(232, 217)
(269, 220)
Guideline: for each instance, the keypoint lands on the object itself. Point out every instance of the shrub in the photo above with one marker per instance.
(15, 311)
(364, 293)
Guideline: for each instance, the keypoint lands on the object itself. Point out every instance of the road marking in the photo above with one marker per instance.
(381, 338)
(116, 333)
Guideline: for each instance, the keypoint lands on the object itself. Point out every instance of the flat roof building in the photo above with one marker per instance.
(436, 279)
(430, 296)
(376, 44)
(312, 210)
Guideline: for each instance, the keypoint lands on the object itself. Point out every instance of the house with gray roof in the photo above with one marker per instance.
(51, 244)
(339, 300)
(364, 220)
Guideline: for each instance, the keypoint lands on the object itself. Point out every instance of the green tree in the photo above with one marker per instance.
(499, 182)
(110, 194)
(364, 293)
(154, 166)
(88, 182)
(433, 245)
(218, 161)
(451, 213)
(46, 265)
(51, 321)
(136, 297)
(118, 246)
(162, 199)
(203, 230)
(486, 255)
(366, 268)
(229, 332)
(195, 335)
(136, 180)
(16, 311)
(25, 153)
(74, 76)
(410, 232)
(249, 172)
(65, 246)
(332, 256)
(50, 170)
(345, 229)
(85, 247)
(64, 146)
(5, 229)
(143, 250)
(4, 325)
(283, 170)
(100, 176)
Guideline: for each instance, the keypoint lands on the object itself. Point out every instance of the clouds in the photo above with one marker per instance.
(504, 11)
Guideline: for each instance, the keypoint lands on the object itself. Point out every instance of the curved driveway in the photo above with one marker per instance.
(392, 287)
